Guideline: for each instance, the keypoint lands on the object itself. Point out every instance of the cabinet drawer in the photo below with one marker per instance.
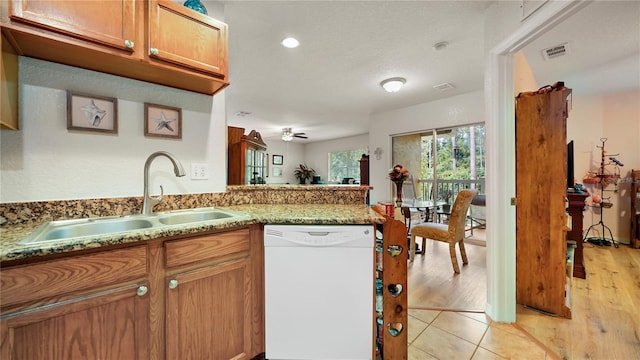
(57, 277)
(185, 251)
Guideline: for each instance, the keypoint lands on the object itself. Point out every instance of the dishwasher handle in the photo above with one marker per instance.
(312, 236)
(318, 233)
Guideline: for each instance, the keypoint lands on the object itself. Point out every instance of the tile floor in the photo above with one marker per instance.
(435, 334)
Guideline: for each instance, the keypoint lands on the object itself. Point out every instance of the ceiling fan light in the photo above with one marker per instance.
(287, 135)
(393, 84)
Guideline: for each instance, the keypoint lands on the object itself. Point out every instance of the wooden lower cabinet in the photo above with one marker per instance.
(93, 306)
(110, 325)
(197, 297)
(209, 296)
(207, 313)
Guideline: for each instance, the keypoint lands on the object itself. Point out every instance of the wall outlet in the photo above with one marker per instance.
(199, 171)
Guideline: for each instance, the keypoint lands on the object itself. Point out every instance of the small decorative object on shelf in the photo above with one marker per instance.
(398, 175)
(196, 5)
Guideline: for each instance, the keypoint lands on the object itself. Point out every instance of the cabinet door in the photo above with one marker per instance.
(182, 36)
(255, 166)
(209, 313)
(110, 23)
(108, 325)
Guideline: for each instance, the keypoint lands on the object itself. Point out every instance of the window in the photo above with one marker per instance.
(345, 164)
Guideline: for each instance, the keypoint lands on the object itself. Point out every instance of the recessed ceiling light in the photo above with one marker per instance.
(393, 84)
(290, 43)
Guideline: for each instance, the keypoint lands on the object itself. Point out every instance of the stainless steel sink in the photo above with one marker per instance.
(190, 216)
(69, 229)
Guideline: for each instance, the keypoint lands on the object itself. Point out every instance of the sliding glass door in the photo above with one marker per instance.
(443, 161)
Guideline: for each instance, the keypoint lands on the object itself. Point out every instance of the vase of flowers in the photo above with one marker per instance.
(398, 175)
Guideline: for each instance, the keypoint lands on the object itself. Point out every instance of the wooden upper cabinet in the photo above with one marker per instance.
(157, 41)
(109, 23)
(8, 86)
(200, 45)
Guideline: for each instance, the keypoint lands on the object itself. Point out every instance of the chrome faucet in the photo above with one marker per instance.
(149, 201)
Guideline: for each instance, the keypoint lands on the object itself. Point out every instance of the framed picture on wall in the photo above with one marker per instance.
(87, 112)
(278, 160)
(277, 172)
(162, 121)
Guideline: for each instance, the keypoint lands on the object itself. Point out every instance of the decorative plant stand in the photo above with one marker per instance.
(602, 179)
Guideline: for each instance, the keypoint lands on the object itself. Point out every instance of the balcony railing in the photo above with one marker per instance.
(447, 187)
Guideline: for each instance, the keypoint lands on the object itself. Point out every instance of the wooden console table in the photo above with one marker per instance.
(576, 207)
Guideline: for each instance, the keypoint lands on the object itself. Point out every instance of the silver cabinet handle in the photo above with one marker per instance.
(173, 284)
(128, 44)
(142, 290)
(153, 51)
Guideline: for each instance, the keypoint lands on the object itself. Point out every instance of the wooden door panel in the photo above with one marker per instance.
(201, 43)
(208, 313)
(108, 23)
(540, 190)
(109, 325)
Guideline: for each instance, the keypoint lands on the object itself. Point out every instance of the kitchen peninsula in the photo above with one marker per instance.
(296, 204)
(155, 291)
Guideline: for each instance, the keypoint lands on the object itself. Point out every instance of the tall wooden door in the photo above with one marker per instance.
(541, 191)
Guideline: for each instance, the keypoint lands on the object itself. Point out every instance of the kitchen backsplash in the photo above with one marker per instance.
(40, 211)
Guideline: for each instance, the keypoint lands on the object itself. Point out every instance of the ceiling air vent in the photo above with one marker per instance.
(443, 87)
(555, 51)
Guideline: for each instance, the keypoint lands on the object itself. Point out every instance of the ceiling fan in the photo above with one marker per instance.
(288, 135)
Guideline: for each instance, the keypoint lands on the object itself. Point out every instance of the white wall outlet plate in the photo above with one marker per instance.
(199, 171)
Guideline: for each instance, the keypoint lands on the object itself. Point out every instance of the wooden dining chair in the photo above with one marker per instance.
(451, 233)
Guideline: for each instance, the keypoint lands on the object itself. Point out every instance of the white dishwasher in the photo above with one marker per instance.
(319, 287)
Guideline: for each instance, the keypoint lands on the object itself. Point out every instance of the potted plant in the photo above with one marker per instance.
(304, 172)
(445, 195)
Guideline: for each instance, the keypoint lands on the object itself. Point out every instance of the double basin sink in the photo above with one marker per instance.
(69, 229)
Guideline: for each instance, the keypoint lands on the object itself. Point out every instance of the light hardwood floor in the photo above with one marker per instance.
(433, 284)
(605, 308)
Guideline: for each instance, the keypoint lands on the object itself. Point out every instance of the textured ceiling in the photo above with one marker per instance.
(330, 85)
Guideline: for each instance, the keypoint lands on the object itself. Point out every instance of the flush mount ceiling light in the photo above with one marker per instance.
(290, 43)
(393, 84)
(287, 134)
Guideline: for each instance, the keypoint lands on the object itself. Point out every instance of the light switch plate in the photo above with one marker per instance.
(199, 171)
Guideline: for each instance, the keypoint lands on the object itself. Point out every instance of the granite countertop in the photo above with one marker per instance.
(323, 214)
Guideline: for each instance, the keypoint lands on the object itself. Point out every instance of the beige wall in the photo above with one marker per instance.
(615, 117)
(45, 161)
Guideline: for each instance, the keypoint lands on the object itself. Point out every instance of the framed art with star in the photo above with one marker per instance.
(87, 112)
(162, 121)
